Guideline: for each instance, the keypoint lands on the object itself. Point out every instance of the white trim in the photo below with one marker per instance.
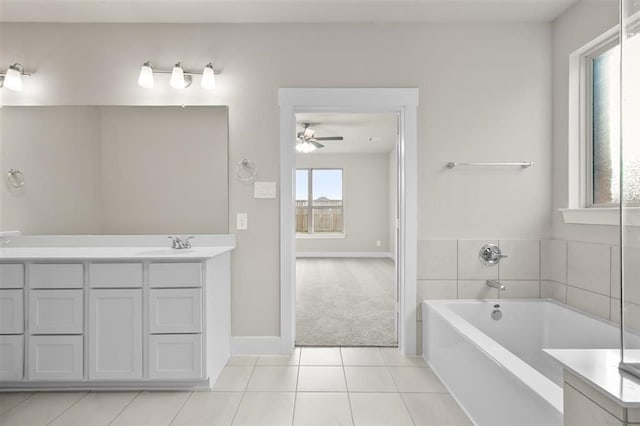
(377, 254)
(602, 216)
(577, 137)
(255, 345)
(404, 102)
(305, 236)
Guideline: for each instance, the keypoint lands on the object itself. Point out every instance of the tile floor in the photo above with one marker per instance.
(314, 386)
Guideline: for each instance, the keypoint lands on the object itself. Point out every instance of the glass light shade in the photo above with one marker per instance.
(146, 76)
(177, 77)
(208, 78)
(305, 147)
(13, 79)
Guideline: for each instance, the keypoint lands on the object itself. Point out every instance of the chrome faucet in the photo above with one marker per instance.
(495, 284)
(180, 244)
(490, 254)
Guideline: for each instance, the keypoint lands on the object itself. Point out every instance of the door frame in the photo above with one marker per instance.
(404, 102)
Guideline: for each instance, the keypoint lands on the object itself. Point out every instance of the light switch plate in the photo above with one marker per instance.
(242, 222)
(264, 190)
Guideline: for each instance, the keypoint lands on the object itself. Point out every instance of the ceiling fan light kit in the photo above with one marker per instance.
(307, 142)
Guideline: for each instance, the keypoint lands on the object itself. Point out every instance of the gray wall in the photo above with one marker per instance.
(365, 179)
(485, 95)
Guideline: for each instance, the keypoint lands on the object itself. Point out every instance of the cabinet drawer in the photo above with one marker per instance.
(55, 358)
(11, 357)
(175, 356)
(11, 312)
(56, 275)
(175, 274)
(175, 311)
(11, 275)
(55, 311)
(115, 275)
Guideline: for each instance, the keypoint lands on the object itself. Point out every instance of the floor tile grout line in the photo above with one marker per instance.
(68, 408)
(406, 407)
(124, 408)
(346, 386)
(31, 394)
(181, 407)
(244, 392)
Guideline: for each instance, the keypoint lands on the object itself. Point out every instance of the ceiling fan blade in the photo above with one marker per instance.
(316, 144)
(330, 138)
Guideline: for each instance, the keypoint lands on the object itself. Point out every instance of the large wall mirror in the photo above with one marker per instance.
(114, 170)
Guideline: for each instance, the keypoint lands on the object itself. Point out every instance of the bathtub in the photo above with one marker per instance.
(496, 369)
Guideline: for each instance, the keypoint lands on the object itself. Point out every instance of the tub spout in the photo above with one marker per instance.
(495, 284)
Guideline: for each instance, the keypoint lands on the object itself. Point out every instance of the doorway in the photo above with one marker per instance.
(346, 210)
(404, 103)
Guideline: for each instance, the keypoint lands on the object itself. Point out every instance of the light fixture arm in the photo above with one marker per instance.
(18, 67)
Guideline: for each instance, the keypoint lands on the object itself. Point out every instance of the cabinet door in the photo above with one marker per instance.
(175, 356)
(55, 357)
(11, 356)
(175, 310)
(56, 311)
(11, 312)
(115, 334)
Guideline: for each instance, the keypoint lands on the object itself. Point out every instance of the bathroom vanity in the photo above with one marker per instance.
(114, 317)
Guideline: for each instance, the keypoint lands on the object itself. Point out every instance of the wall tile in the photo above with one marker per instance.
(632, 316)
(553, 290)
(438, 259)
(587, 301)
(632, 274)
(520, 290)
(469, 265)
(614, 311)
(589, 267)
(476, 289)
(435, 289)
(523, 262)
(615, 271)
(553, 260)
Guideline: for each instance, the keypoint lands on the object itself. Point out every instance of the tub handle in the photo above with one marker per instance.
(490, 254)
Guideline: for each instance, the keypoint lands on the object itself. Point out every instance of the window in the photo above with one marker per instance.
(319, 204)
(603, 128)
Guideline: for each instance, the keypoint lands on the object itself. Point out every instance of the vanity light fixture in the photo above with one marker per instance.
(12, 79)
(180, 79)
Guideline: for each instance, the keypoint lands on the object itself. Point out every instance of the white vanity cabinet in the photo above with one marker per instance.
(160, 320)
(11, 321)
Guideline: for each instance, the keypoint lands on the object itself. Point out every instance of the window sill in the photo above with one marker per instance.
(302, 236)
(601, 216)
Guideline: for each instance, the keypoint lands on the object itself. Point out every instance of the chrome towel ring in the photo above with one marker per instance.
(15, 178)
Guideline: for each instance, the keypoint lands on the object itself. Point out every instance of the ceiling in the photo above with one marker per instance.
(282, 11)
(363, 133)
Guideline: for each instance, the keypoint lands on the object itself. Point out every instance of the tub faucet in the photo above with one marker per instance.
(180, 244)
(495, 284)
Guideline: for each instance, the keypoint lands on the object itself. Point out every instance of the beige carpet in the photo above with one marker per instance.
(345, 302)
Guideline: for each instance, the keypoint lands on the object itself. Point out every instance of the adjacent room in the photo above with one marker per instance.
(346, 199)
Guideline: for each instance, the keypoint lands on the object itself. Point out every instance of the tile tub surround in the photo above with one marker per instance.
(451, 269)
(374, 386)
(573, 272)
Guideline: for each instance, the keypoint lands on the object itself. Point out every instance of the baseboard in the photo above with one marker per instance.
(344, 254)
(255, 345)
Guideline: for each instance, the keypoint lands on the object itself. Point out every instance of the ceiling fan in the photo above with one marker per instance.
(307, 141)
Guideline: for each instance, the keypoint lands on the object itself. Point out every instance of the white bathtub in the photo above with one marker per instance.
(497, 370)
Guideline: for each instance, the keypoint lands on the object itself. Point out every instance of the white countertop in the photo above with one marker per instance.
(599, 367)
(89, 253)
